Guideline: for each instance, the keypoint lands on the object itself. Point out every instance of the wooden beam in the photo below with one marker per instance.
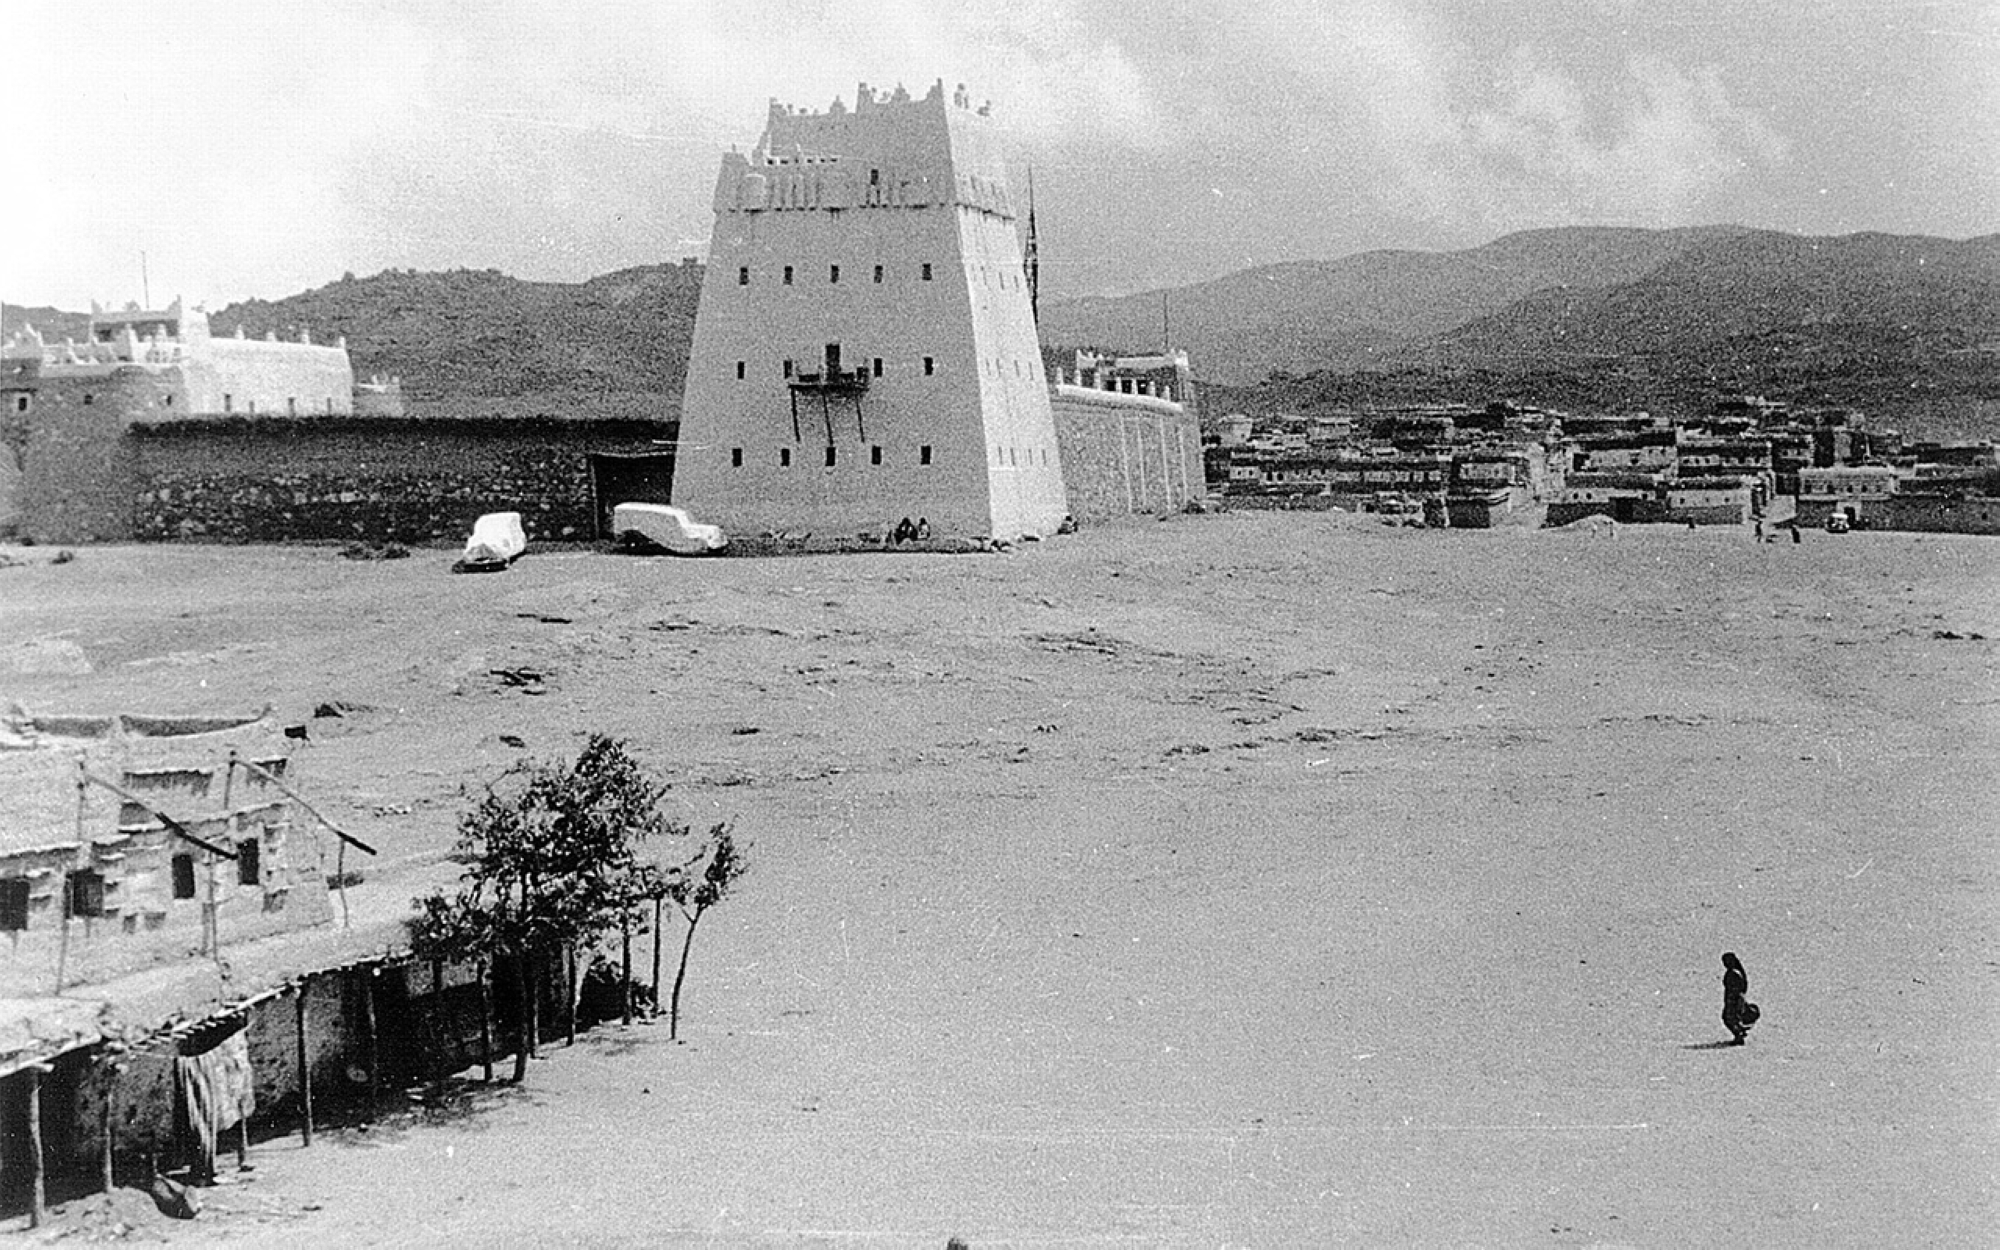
(104, 1124)
(368, 1032)
(305, 1072)
(37, 1191)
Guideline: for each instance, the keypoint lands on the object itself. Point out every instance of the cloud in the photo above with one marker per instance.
(1652, 147)
(1053, 73)
(1442, 125)
(160, 135)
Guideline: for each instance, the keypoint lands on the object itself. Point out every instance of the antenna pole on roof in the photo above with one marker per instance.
(1166, 327)
(145, 283)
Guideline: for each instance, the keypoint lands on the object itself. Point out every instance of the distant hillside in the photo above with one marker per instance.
(480, 335)
(1353, 312)
(1905, 328)
(1754, 301)
(53, 324)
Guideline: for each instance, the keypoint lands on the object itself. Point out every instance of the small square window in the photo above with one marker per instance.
(833, 273)
(168, 400)
(829, 456)
(83, 892)
(876, 366)
(249, 855)
(13, 904)
(743, 275)
(788, 368)
(88, 399)
(924, 454)
(927, 271)
(183, 869)
(930, 365)
(875, 454)
(788, 275)
(735, 457)
(21, 401)
(228, 402)
(784, 457)
(878, 273)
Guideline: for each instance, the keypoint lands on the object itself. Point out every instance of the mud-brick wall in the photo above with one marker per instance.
(381, 479)
(1965, 514)
(76, 466)
(1123, 454)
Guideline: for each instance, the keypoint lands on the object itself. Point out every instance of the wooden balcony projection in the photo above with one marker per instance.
(829, 385)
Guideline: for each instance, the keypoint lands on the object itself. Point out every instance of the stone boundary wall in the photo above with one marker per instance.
(1939, 514)
(1123, 454)
(395, 479)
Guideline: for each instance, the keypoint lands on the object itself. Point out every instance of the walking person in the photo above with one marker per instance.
(1738, 1012)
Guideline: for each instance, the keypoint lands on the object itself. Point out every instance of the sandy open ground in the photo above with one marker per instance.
(1228, 880)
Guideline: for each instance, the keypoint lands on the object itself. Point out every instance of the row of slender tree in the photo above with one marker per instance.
(556, 860)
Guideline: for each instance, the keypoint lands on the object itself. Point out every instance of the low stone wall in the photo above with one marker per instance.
(1941, 514)
(1126, 453)
(405, 480)
(1709, 514)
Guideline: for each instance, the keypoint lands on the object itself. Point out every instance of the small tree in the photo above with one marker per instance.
(550, 853)
(721, 865)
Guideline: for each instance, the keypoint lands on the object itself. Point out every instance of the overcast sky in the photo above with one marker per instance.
(260, 149)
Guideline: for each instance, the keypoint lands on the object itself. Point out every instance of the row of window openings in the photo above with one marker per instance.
(1009, 456)
(832, 274)
(875, 366)
(83, 888)
(228, 403)
(832, 456)
(995, 276)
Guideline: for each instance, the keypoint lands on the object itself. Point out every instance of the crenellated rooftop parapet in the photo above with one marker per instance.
(888, 152)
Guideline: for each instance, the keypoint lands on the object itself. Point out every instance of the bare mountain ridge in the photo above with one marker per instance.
(1880, 293)
(1356, 311)
(1578, 316)
(481, 334)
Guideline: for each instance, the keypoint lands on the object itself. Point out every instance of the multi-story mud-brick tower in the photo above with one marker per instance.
(865, 348)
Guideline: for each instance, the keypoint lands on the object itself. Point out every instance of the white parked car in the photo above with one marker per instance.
(497, 540)
(666, 527)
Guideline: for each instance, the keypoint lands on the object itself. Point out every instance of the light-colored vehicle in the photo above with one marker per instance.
(497, 541)
(665, 527)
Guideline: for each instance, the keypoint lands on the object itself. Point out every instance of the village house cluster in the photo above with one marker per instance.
(1748, 460)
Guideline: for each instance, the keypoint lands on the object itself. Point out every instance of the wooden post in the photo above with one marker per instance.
(368, 1030)
(110, 1070)
(305, 1072)
(625, 939)
(37, 1193)
(659, 911)
(340, 881)
(437, 1028)
(485, 1022)
(569, 984)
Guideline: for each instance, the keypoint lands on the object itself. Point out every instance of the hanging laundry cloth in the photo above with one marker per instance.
(217, 1091)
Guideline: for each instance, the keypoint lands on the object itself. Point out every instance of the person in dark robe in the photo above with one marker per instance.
(1738, 1012)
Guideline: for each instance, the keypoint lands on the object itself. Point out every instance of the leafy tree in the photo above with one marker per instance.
(721, 866)
(551, 864)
